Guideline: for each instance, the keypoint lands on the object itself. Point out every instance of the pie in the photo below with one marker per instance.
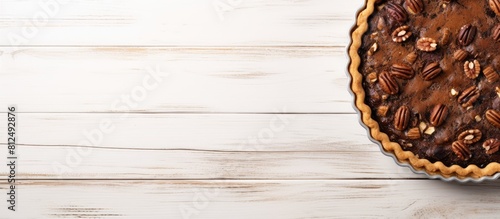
(426, 83)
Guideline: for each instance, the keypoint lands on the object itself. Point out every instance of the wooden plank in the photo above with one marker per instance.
(138, 79)
(192, 146)
(177, 22)
(42, 162)
(255, 199)
(216, 132)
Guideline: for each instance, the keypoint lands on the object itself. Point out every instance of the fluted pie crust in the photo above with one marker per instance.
(408, 157)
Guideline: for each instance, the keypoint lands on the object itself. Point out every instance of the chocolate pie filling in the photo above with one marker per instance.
(431, 70)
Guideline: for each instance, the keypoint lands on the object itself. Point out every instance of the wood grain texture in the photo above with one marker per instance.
(199, 146)
(217, 132)
(60, 163)
(256, 199)
(178, 23)
(252, 80)
(251, 119)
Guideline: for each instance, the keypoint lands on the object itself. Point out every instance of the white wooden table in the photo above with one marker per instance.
(198, 109)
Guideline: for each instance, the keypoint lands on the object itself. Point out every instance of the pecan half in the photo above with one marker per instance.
(495, 33)
(495, 6)
(438, 115)
(402, 71)
(470, 136)
(460, 55)
(468, 96)
(402, 118)
(431, 71)
(414, 6)
(490, 74)
(461, 150)
(467, 34)
(472, 69)
(387, 83)
(396, 12)
(426, 44)
(491, 145)
(414, 133)
(493, 117)
(401, 34)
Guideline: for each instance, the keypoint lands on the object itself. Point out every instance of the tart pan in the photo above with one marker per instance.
(437, 170)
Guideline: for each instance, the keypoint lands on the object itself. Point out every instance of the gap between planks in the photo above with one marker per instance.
(110, 147)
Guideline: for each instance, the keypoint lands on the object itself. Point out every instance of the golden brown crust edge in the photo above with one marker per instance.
(438, 168)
